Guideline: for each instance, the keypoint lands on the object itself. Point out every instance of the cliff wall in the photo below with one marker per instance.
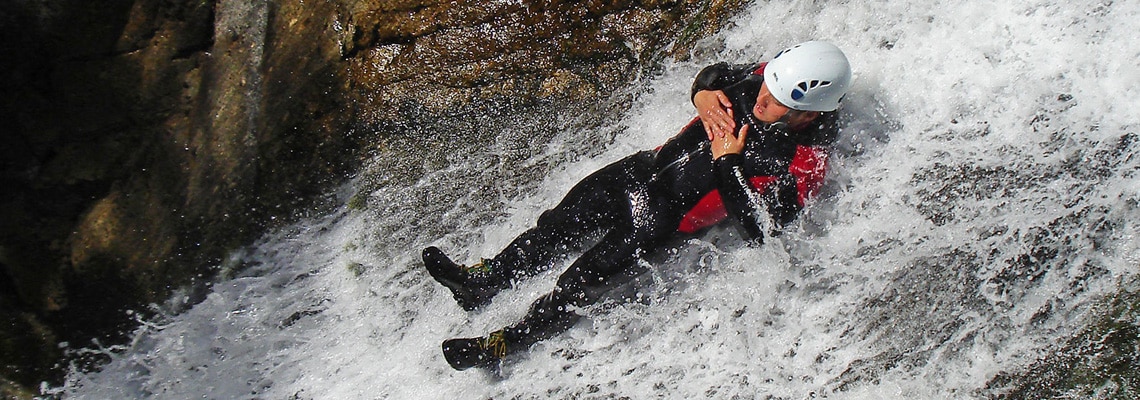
(145, 139)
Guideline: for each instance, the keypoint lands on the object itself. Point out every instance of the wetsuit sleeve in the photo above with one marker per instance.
(741, 200)
(806, 173)
(783, 196)
(804, 179)
(721, 75)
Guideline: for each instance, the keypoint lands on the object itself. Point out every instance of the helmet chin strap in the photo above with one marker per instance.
(784, 122)
(780, 126)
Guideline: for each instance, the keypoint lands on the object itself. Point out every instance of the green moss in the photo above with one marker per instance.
(357, 269)
(14, 391)
(28, 352)
(359, 201)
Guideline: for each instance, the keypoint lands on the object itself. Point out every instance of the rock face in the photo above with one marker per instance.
(145, 139)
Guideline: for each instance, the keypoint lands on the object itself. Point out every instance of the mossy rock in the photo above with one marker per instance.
(1101, 362)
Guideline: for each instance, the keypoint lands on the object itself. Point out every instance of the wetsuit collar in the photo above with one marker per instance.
(780, 127)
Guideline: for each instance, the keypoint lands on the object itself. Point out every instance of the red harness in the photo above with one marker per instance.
(809, 167)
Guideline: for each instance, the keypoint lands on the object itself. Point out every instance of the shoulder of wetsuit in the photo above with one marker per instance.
(824, 131)
(722, 75)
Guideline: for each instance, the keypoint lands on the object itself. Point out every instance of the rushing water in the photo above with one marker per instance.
(983, 196)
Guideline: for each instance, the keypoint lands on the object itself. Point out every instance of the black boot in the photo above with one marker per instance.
(479, 352)
(472, 287)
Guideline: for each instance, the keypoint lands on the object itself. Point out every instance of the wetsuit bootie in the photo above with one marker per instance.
(478, 352)
(472, 287)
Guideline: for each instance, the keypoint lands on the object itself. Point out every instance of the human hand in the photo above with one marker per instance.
(729, 144)
(715, 111)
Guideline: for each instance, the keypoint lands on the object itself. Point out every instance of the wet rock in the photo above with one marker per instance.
(1101, 361)
(147, 139)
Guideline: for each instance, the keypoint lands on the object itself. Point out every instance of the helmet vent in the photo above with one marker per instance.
(805, 86)
(786, 50)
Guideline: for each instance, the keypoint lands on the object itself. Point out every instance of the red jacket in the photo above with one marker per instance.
(784, 169)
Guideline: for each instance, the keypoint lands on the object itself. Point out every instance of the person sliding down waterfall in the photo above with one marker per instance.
(759, 143)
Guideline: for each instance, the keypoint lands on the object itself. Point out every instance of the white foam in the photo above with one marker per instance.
(979, 201)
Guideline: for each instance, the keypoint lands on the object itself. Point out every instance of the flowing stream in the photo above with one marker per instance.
(983, 197)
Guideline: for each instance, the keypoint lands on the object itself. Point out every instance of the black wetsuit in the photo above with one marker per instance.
(636, 204)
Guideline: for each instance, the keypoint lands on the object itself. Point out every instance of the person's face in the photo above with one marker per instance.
(769, 110)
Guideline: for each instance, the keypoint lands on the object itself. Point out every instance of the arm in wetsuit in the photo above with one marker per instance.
(741, 201)
(782, 195)
(721, 75)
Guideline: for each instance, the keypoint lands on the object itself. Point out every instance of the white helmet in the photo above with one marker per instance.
(811, 76)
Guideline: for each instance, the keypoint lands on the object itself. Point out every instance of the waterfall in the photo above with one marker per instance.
(983, 198)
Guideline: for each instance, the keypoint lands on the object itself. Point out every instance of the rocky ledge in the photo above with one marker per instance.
(146, 139)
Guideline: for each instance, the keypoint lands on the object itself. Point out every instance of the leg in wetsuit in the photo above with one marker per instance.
(613, 203)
